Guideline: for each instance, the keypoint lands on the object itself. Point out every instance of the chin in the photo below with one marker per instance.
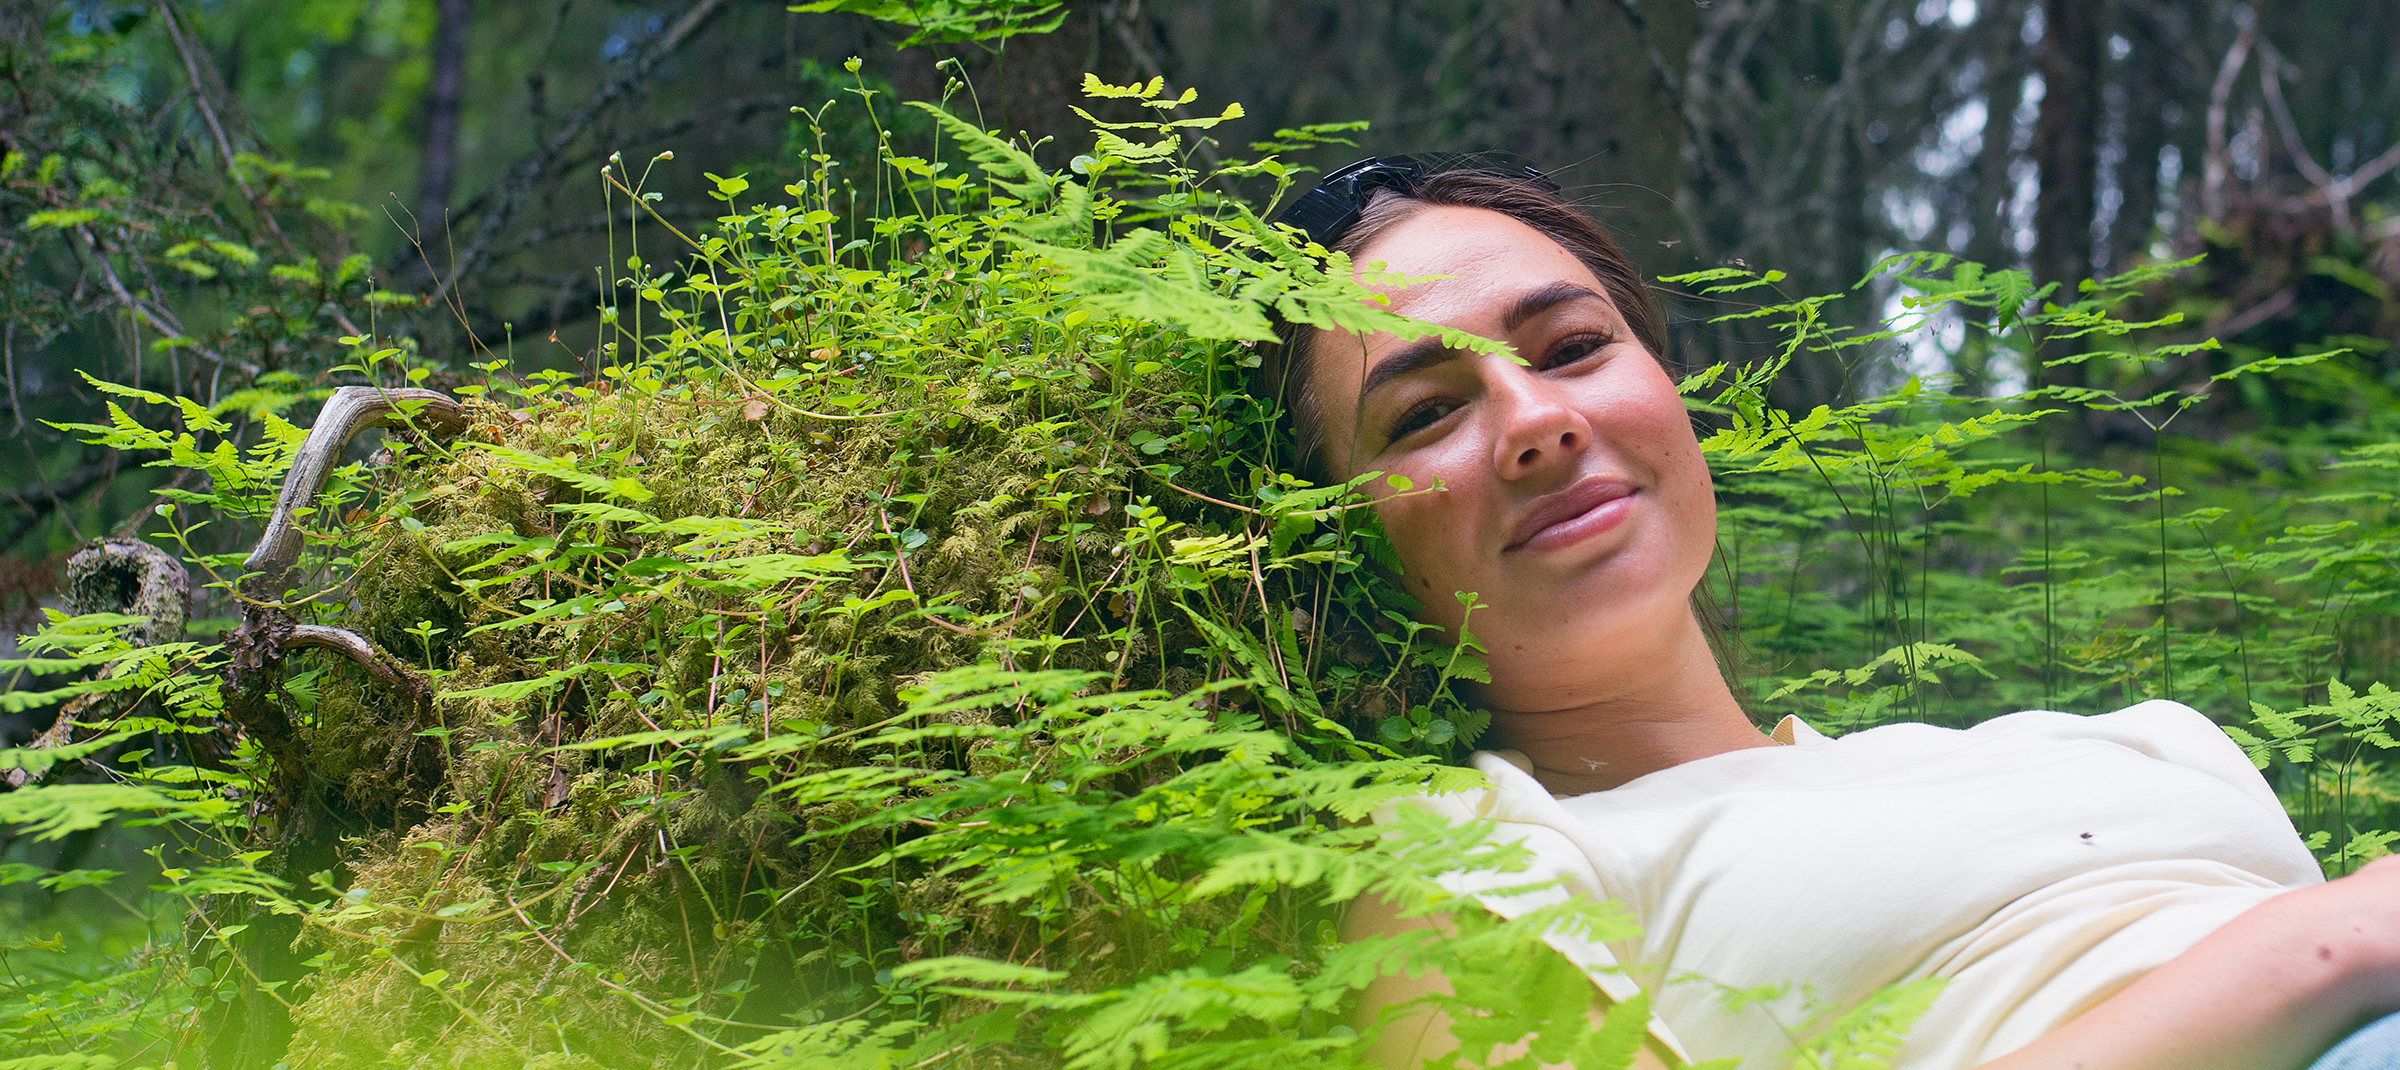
(1625, 575)
(1564, 626)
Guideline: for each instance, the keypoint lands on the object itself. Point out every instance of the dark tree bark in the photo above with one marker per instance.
(1025, 84)
(2066, 143)
(2149, 77)
(2004, 89)
(442, 106)
(1988, 199)
(2066, 153)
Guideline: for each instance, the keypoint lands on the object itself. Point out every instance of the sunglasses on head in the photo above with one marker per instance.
(1333, 207)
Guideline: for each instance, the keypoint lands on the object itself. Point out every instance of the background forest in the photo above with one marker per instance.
(823, 596)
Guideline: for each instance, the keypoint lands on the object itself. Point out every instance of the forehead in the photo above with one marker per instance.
(1488, 256)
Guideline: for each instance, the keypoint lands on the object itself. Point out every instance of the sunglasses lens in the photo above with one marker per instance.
(1322, 214)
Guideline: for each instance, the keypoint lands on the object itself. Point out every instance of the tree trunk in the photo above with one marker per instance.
(2149, 77)
(2066, 153)
(2003, 91)
(442, 108)
(1988, 202)
(2066, 142)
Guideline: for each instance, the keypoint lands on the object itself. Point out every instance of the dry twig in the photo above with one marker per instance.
(267, 629)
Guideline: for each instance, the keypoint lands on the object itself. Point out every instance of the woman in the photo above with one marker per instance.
(2111, 893)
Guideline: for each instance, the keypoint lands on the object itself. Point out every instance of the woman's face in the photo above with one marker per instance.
(1575, 501)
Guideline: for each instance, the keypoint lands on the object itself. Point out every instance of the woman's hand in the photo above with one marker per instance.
(2271, 990)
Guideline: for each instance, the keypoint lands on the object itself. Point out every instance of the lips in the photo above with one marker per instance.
(1567, 516)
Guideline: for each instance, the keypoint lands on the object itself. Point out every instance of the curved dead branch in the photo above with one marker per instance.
(267, 629)
(350, 410)
(379, 663)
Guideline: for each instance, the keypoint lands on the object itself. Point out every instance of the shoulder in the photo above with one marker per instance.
(2158, 729)
(2156, 717)
(2169, 731)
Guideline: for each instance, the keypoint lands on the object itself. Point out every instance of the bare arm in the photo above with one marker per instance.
(1426, 1033)
(2270, 991)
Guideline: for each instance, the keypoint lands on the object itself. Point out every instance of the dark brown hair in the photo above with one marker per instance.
(1283, 373)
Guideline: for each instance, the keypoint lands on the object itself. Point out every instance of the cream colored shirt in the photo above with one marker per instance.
(2038, 862)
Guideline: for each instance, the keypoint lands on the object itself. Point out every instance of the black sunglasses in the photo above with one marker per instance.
(1333, 207)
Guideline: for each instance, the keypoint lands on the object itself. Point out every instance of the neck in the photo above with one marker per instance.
(1630, 718)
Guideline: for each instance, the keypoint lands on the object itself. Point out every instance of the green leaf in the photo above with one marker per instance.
(65, 1061)
(1006, 165)
(718, 737)
(970, 970)
(1145, 275)
(49, 811)
(34, 760)
(60, 219)
(1094, 87)
(624, 488)
(951, 21)
(1869, 1036)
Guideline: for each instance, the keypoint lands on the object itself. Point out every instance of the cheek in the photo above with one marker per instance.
(1683, 474)
(1645, 413)
(1431, 539)
(1440, 523)
(1414, 526)
(1676, 451)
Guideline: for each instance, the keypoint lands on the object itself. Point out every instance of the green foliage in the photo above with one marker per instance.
(977, 631)
(218, 266)
(1866, 1037)
(952, 20)
(906, 649)
(55, 810)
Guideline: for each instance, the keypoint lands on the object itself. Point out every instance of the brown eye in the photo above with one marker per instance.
(1576, 348)
(1422, 414)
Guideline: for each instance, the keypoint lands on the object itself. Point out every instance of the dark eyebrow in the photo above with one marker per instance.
(1543, 300)
(1427, 352)
(1415, 356)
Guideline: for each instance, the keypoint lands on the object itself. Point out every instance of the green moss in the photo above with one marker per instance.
(673, 617)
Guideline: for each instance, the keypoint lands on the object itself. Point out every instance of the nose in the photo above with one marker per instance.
(1538, 427)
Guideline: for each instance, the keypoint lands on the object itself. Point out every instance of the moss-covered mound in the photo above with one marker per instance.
(725, 639)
